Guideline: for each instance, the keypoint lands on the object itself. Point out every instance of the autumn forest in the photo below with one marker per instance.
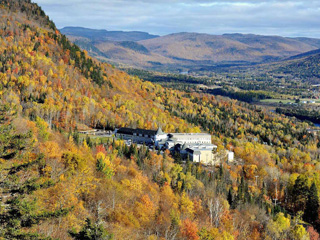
(56, 184)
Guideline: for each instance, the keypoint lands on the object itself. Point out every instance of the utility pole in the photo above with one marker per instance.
(256, 179)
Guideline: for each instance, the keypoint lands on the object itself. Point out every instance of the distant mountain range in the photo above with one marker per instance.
(183, 51)
(104, 35)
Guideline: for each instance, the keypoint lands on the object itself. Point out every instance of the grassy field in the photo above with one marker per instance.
(317, 101)
(96, 139)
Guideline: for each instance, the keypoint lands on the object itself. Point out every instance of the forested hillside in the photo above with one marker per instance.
(306, 68)
(56, 185)
(59, 83)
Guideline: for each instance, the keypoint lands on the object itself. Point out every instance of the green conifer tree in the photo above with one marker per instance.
(312, 206)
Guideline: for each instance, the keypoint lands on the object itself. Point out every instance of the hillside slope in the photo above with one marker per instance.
(306, 54)
(57, 184)
(57, 81)
(304, 66)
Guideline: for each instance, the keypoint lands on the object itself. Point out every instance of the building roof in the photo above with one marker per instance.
(131, 131)
(200, 145)
(184, 147)
(160, 132)
(189, 134)
(197, 148)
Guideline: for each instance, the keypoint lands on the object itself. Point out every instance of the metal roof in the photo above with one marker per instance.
(160, 132)
(131, 131)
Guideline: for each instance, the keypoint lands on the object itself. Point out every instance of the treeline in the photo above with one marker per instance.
(301, 113)
(162, 78)
(245, 96)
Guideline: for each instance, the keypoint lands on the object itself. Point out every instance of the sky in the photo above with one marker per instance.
(291, 18)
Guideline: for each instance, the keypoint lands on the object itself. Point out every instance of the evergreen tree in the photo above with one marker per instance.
(299, 193)
(133, 150)
(260, 199)
(11, 143)
(312, 205)
(241, 189)
(76, 137)
(230, 197)
(125, 150)
(177, 157)
(221, 172)
(89, 142)
(113, 143)
(17, 184)
(247, 195)
(91, 231)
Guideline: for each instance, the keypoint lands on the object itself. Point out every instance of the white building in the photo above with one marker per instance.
(195, 146)
(230, 156)
(142, 135)
(187, 138)
(197, 152)
(202, 153)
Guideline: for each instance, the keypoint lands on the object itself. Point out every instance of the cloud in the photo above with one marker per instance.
(282, 17)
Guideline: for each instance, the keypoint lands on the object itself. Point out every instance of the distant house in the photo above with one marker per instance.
(313, 131)
(141, 135)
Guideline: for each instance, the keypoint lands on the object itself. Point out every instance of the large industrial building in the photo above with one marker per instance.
(195, 146)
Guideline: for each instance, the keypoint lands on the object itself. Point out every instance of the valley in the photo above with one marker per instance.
(278, 73)
(289, 84)
(187, 51)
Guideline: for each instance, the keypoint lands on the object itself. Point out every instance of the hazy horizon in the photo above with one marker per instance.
(117, 30)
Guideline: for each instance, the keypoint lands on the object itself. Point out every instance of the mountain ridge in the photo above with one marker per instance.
(306, 54)
(95, 34)
(186, 50)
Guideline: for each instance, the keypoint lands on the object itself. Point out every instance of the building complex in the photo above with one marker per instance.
(195, 146)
